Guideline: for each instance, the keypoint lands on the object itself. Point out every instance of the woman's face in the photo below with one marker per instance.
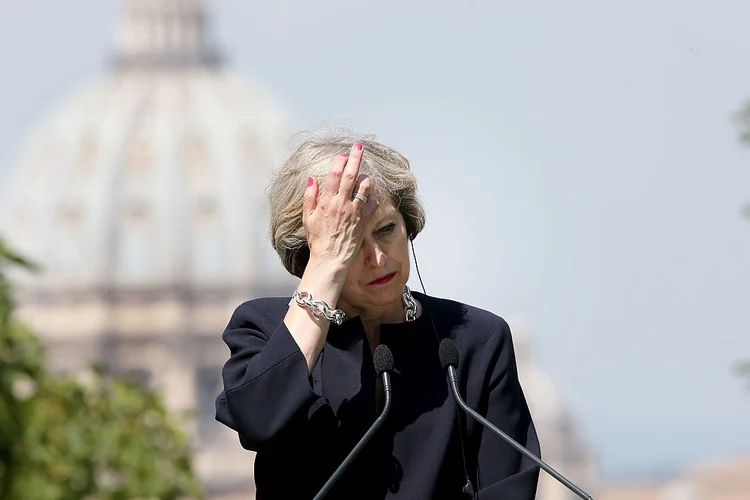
(376, 279)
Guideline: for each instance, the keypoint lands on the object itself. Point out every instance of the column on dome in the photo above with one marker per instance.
(163, 33)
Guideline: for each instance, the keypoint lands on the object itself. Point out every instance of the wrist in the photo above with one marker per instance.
(318, 307)
(323, 269)
(324, 279)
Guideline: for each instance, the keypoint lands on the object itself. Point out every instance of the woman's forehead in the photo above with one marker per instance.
(385, 209)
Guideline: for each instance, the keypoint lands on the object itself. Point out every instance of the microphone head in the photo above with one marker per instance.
(383, 358)
(448, 353)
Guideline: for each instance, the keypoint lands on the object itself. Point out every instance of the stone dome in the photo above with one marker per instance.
(142, 199)
(153, 175)
(563, 447)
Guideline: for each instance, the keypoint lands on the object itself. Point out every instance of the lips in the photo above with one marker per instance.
(383, 279)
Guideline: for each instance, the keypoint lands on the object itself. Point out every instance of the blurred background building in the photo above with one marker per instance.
(564, 446)
(723, 479)
(142, 198)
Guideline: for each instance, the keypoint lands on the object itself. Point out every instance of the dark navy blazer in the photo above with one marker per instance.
(303, 425)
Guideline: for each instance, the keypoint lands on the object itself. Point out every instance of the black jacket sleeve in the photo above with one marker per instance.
(267, 389)
(502, 471)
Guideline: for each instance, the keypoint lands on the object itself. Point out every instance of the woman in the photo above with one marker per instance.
(300, 388)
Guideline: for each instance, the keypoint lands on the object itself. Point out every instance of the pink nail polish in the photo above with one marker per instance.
(358, 146)
(309, 181)
(344, 154)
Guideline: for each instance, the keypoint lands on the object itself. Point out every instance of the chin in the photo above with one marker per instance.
(382, 296)
(388, 294)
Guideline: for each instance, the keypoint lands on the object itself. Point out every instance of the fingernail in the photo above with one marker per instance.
(358, 146)
(344, 154)
(309, 181)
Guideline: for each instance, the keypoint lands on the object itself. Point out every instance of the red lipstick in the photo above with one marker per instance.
(383, 279)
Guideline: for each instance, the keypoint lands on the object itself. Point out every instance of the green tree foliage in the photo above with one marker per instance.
(86, 437)
(742, 120)
(743, 369)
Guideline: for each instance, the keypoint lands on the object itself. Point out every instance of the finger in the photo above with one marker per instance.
(358, 182)
(370, 207)
(363, 189)
(351, 170)
(310, 199)
(333, 179)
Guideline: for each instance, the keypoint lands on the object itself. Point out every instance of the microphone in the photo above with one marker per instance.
(449, 359)
(383, 360)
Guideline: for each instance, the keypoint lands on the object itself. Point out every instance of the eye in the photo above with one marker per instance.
(387, 229)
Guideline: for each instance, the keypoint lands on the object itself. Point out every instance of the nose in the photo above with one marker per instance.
(374, 255)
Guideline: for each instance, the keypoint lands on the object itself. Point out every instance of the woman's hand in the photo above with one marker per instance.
(334, 226)
(334, 222)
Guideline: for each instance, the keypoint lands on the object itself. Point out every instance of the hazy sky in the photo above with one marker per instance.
(577, 161)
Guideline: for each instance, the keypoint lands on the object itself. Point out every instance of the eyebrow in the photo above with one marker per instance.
(385, 218)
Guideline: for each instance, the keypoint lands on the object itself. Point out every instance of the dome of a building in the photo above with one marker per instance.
(153, 176)
(142, 199)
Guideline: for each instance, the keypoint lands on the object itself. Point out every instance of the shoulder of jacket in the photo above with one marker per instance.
(271, 309)
(473, 323)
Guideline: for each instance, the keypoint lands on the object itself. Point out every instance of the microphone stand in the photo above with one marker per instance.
(453, 382)
(386, 376)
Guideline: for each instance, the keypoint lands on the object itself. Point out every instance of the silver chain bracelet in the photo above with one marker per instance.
(318, 307)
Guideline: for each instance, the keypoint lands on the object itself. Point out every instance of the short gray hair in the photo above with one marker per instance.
(390, 176)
